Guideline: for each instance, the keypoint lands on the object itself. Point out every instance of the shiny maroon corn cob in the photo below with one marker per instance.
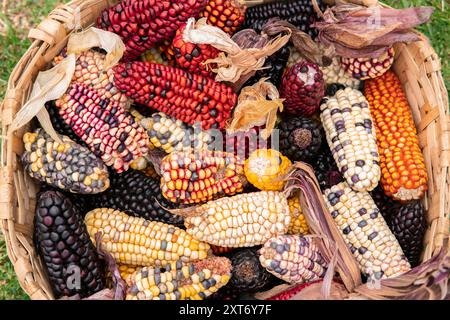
(110, 132)
(190, 56)
(143, 24)
(188, 97)
(303, 88)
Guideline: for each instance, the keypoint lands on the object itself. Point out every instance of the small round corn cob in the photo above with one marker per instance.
(245, 220)
(155, 56)
(197, 177)
(170, 135)
(191, 57)
(366, 233)
(403, 171)
(188, 97)
(351, 136)
(90, 71)
(294, 259)
(178, 281)
(227, 15)
(139, 242)
(63, 243)
(110, 131)
(298, 224)
(265, 169)
(368, 68)
(67, 165)
(143, 24)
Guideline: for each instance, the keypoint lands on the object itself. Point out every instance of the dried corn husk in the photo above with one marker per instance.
(233, 62)
(254, 109)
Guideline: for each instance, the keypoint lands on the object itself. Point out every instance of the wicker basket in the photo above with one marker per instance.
(416, 64)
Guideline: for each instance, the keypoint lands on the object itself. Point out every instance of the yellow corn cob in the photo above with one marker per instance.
(178, 281)
(365, 231)
(298, 222)
(139, 242)
(244, 220)
(126, 272)
(350, 134)
(265, 169)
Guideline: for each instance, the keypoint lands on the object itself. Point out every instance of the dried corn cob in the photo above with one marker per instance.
(139, 242)
(190, 98)
(142, 24)
(351, 136)
(368, 68)
(155, 56)
(61, 126)
(265, 168)
(110, 131)
(197, 177)
(298, 222)
(227, 15)
(67, 166)
(170, 135)
(126, 272)
(244, 220)
(403, 171)
(293, 259)
(177, 281)
(366, 233)
(90, 71)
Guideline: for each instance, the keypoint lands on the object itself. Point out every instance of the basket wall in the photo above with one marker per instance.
(416, 64)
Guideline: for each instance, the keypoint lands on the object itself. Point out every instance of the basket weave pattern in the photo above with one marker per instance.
(417, 65)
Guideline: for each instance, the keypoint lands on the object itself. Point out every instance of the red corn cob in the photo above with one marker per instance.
(143, 24)
(110, 131)
(227, 15)
(190, 57)
(188, 97)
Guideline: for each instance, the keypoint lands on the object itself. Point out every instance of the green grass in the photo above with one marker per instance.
(28, 13)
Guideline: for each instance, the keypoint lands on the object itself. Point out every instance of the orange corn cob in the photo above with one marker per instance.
(403, 171)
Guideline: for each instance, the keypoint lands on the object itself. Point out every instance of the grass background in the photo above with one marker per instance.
(18, 16)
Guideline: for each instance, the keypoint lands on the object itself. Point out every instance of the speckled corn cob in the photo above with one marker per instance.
(110, 131)
(169, 134)
(298, 222)
(403, 170)
(188, 97)
(245, 220)
(368, 68)
(366, 233)
(178, 281)
(139, 242)
(67, 166)
(293, 259)
(90, 71)
(197, 177)
(351, 136)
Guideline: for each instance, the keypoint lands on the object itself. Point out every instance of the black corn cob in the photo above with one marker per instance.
(63, 243)
(80, 201)
(300, 13)
(325, 168)
(387, 206)
(136, 194)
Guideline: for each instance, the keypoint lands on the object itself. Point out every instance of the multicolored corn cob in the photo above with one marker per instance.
(403, 171)
(190, 98)
(294, 259)
(366, 233)
(334, 73)
(143, 24)
(171, 135)
(265, 169)
(136, 194)
(351, 136)
(110, 131)
(63, 243)
(245, 220)
(191, 57)
(300, 13)
(302, 88)
(154, 55)
(67, 165)
(197, 177)
(139, 242)
(178, 281)
(227, 15)
(60, 126)
(368, 68)
(90, 71)
(298, 224)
